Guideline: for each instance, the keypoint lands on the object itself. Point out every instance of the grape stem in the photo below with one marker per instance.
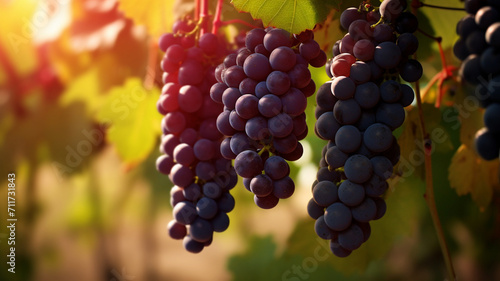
(217, 18)
(444, 74)
(419, 4)
(196, 10)
(203, 16)
(429, 186)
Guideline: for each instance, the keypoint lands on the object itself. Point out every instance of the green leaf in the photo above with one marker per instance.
(438, 23)
(135, 124)
(292, 15)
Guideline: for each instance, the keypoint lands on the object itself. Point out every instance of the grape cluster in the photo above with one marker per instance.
(356, 112)
(264, 89)
(479, 48)
(190, 144)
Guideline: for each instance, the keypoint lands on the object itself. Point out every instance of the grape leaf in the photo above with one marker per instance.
(157, 16)
(291, 15)
(135, 124)
(468, 173)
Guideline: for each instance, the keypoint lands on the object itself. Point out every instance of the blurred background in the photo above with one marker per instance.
(79, 80)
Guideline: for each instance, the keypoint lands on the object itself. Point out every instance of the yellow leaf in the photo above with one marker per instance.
(157, 15)
(135, 123)
(469, 174)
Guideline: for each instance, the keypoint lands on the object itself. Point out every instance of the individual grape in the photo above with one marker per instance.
(276, 167)
(276, 38)
(226, 202)
(283, 188)
(360, 29)
(176, 230)
(407, 43)
(181, 175)
(254, 37)
(261, 185)
(390, 10)
(382, 166)
(487, 144)
(350, 15)
(411, 70)
(314, 210)
(278, 82)
(378, 137)
(381, 207)
(358, 168)
(347, 112)
(350, 193)
(390, 91)
(257, 67)
(364, 50)
(212, 190)
(327, 126)
(205, 170)
(338, 216)
(325, 193)
(322, 229)
(280, 125)
(338, 250)
(375, 187)
(360, 72)
(367, 95)
(267, 202)
(282, 59)
(192, 245)
(387, 55)
(184, 212)
(269, 105)
(407, 95)
(476, 42)
(299, 76)
(309, 49)
(351, 238)
(233, 76)
(164, 164)
(486, 16)
(201, 230)
(348, 138)
(247, 106)
(406, 23)
(391, 114)
(347, 44)
(248, 164)
(492, 118)
(220, 222)
(294, 102)
(335, 157)
(257, 128)
(206, 208)
(365, 211)
(383, 32)
(493, 34)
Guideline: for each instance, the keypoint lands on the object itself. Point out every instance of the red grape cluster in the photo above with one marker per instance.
(190, 144)
(357, 112)
(264, 89)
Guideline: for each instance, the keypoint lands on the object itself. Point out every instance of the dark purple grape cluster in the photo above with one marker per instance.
(357, 111)
(479, 48)
(264, 89)
(190, 144)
